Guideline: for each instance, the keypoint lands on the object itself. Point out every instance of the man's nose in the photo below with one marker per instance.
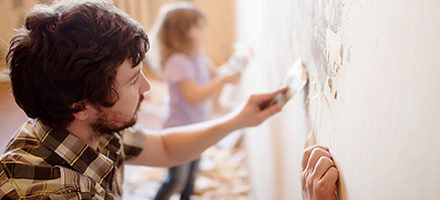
(145, 84)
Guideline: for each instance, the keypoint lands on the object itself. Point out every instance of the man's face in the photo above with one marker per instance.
(131, 83)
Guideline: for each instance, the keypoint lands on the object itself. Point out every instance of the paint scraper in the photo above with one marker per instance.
(295, 80)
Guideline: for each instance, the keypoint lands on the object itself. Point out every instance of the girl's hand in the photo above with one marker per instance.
(252, 113)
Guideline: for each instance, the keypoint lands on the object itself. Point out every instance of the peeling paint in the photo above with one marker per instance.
(326, 15)
(341, 54)
(329, 83)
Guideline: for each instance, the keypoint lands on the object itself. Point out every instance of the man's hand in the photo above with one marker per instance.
(319, 175)
(252, 113)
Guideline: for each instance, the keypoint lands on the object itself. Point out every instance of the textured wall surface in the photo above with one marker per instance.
(372, 98)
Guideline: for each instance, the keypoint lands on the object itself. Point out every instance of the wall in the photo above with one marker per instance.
(372, 98)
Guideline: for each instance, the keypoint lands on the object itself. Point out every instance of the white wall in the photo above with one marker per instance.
(274, 148)
(382, 59)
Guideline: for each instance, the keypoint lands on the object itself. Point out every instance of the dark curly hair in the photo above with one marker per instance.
(69, 52)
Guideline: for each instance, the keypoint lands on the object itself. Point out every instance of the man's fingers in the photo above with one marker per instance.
(266, 113)
(315, 156)
(266, 97)
(324, 163)
(331, 176)
(319, 175)
(308, 152)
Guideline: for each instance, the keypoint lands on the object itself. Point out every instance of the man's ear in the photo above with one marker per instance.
(81, 110)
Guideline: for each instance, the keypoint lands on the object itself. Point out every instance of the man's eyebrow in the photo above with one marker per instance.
(135, 75)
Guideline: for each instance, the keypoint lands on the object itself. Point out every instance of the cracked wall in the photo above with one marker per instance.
(372, 97)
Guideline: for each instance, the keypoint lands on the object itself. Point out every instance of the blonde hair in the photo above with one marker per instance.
(170, 34)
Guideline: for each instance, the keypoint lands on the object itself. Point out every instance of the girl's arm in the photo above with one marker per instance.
(183, 144)
(195, 94)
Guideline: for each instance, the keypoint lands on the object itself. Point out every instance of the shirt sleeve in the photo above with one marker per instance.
(179, 67)
(208, 61)
(134, 140)
(211, 65)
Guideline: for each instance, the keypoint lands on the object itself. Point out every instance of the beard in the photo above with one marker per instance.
(109, 122)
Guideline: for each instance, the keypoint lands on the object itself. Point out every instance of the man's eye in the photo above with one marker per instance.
(134, 81)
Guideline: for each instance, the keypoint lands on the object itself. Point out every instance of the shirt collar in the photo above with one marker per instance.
(81, 157)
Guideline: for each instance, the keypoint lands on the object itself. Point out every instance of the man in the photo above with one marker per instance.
(76, 71)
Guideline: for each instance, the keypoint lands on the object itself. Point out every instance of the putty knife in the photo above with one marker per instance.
(295, 80)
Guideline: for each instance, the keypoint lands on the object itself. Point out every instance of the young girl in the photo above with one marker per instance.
(191, 80)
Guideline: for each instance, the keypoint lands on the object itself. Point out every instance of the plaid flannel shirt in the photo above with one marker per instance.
(45, 163)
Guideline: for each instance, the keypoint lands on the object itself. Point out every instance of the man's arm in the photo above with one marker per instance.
(178, 145)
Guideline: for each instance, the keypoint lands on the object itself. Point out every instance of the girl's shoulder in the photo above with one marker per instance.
(183, 56)
(178, 60)
(177, 56)
(205, 58)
